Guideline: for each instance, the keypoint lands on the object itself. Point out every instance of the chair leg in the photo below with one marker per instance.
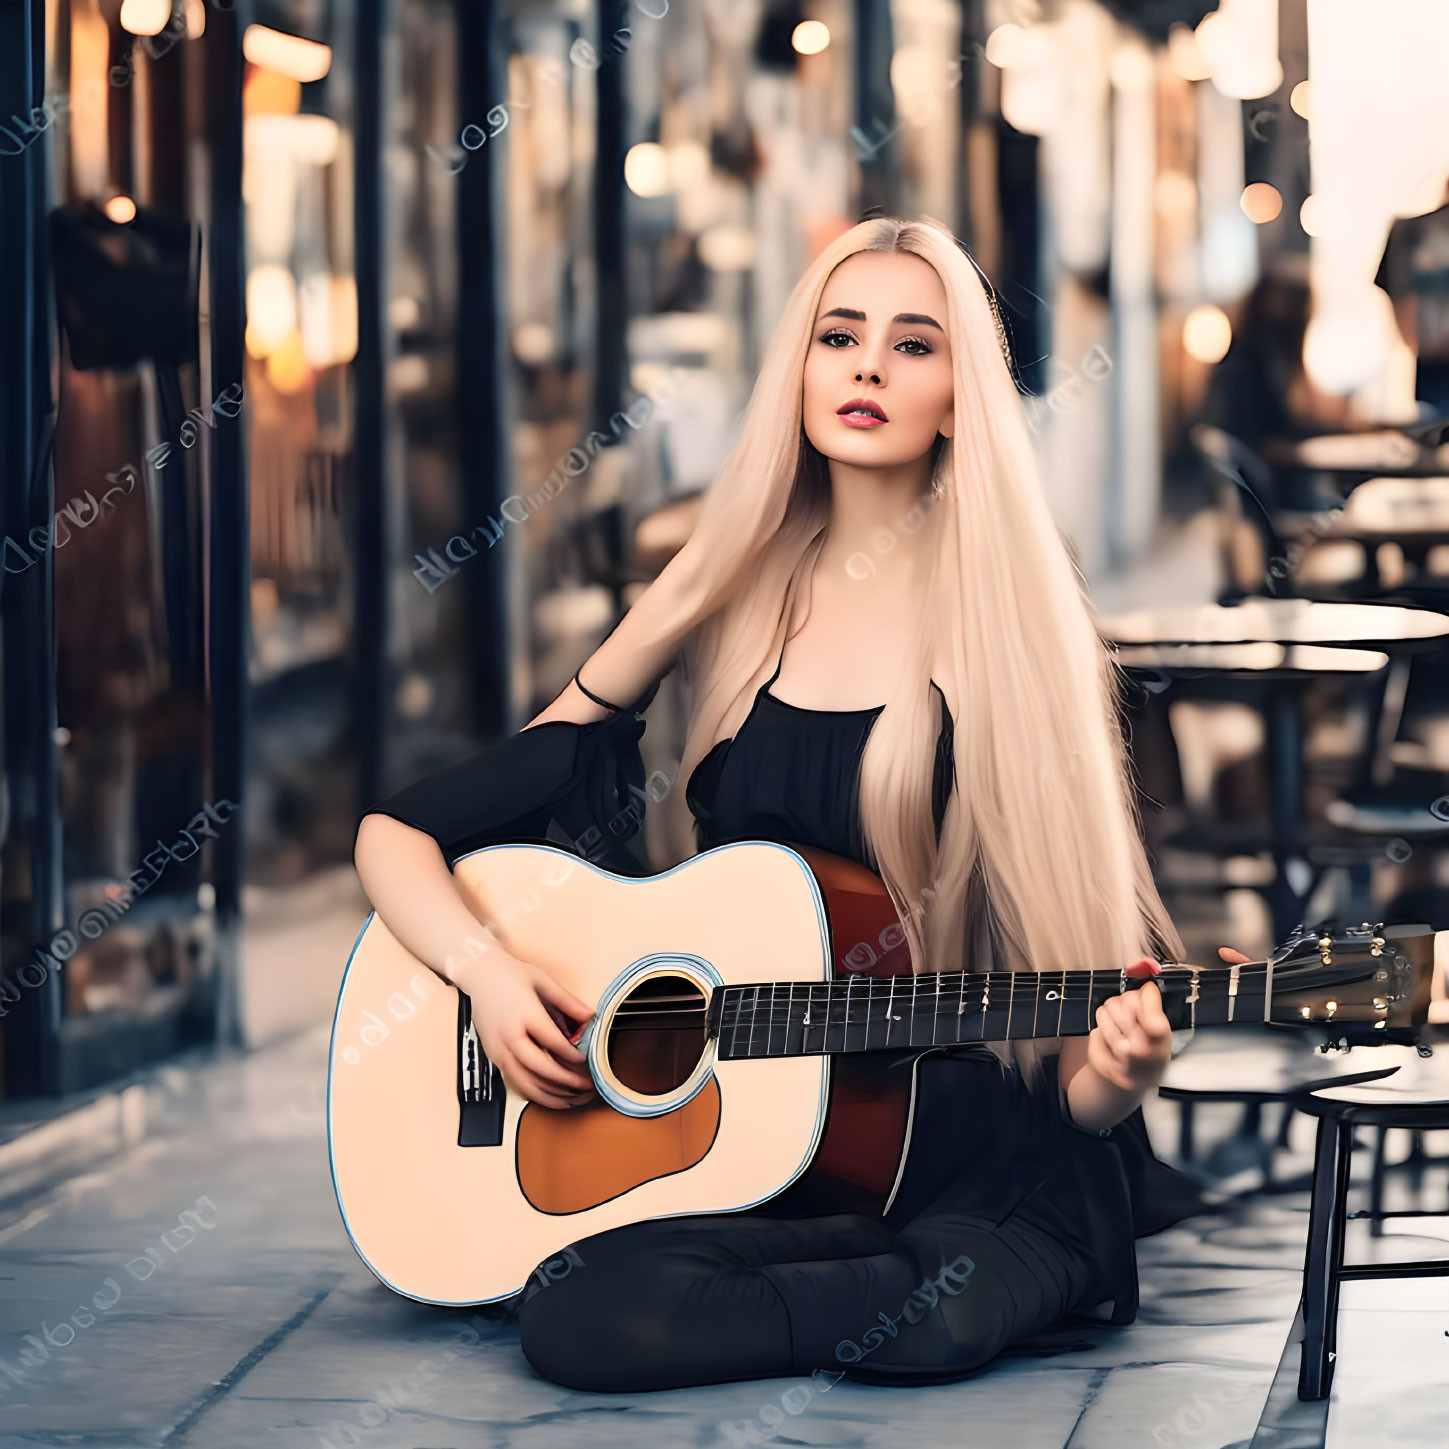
(1285, 1127)
(1376, 1185)
(1184, 1130)
(1324, 1258)
(1341, 1188)
(1272, 1145)
(1416, 1160)
(1251, 1125)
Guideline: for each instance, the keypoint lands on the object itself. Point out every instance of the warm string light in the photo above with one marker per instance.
(145, 17)
(303, 60)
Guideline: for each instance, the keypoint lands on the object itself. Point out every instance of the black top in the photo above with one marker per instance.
(790, 769)
(793, 774)
(561, 783)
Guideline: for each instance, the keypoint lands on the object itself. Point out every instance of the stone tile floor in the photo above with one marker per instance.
(257, 1324)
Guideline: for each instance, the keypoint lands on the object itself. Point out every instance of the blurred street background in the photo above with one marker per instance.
(302, 302)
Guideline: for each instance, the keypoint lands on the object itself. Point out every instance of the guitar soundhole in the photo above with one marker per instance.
(658, 1034)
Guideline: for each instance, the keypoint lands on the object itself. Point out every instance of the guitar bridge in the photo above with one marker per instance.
(481, 1094)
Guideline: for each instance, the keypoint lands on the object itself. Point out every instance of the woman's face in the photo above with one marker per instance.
(879, 336)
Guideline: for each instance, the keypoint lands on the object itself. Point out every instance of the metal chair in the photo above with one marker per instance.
(1412, 1094)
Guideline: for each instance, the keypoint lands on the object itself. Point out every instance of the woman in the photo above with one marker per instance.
(877, 534)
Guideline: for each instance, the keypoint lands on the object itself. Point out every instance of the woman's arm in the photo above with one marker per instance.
(404, 843)
(639, 649)
(1104, 1075)
(1092, 1102)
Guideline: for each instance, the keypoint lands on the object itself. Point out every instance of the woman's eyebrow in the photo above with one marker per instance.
(919, 318)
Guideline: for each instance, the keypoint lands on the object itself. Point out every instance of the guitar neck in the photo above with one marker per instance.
(867, 1013)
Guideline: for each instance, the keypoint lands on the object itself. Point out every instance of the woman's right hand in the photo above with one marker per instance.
(517, 1011)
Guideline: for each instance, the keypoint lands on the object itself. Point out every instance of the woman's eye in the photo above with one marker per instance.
(917, 348)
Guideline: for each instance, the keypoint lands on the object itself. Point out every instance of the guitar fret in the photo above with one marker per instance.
(899, 1025)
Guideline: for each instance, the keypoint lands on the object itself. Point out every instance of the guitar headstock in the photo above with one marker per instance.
(1375, 978)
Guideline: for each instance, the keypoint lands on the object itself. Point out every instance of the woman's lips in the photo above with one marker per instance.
(856, 415)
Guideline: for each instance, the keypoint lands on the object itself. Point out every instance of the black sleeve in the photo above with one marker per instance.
(579, 787)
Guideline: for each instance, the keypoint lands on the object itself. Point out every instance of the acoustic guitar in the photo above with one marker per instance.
(735, 1051)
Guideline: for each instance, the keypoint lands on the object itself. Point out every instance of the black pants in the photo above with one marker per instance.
(1010, 1223)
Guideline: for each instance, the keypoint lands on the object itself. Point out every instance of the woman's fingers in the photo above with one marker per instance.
(528, 1084)
(535, 1091)
(1134, 1028)
(560, 996)
(1150, 1013)
(1112, 1034)
(1104, 1055)
(557, 1076)
(1232, 957)
(550, 1036)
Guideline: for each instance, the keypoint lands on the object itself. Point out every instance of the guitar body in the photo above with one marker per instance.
(453, 1187)
(732, 1063)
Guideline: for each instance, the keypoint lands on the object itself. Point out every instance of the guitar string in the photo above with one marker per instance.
(1070, 990)
(1019, 983)
(735, 1009)
(845, 1020)
(1083, 994)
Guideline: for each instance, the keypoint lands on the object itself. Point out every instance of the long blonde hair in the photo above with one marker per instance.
(1040, 864)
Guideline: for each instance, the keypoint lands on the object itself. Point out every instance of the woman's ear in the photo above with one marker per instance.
(948, 423)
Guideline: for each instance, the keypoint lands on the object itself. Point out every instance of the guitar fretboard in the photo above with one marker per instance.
(866, 1013)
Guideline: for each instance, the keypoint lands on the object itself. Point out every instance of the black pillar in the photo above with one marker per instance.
(230, 532)
(483, 358)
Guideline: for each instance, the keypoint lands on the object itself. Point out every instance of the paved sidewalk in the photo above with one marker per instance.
(193, 1286)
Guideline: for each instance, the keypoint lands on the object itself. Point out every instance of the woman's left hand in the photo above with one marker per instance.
(1131, 1044)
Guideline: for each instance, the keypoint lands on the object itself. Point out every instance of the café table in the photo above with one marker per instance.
(1285, 645)
(1410, 513)
(1379, 450)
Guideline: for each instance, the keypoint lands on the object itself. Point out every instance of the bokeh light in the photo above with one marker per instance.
(810, 37)
(1261, 202)
(646, 169)
(1207, 333)
(145, 17)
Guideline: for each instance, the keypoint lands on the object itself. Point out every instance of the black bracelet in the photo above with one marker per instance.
(617, 708)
